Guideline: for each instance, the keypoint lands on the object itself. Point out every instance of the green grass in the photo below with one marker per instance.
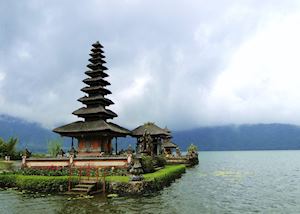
(168, 171)
(122, 179)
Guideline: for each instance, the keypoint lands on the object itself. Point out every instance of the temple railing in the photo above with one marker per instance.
(89, 173)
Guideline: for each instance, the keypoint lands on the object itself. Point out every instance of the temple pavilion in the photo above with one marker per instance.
(156, 135)
(94, 132)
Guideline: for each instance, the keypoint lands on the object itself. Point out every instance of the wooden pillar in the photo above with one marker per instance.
(109, 146)
(116, 145)
(137, 148)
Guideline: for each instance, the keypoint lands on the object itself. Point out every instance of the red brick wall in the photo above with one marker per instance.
(94, 145)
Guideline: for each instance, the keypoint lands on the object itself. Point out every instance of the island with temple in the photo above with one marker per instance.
(93, 163)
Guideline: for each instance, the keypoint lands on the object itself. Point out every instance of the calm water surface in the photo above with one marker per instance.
(224, 182)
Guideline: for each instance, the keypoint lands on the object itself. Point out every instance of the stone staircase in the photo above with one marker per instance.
(85, 187)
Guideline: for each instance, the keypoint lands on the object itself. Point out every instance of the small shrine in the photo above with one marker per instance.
(94, 133)
(149, 138)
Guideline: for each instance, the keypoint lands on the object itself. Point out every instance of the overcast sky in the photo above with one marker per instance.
(182, 64)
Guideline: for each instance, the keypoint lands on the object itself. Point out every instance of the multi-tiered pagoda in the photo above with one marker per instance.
(94, 133)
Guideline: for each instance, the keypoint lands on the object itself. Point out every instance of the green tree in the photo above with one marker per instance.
(9, 147)
(54, 146)
(192, 148)
(3, 148)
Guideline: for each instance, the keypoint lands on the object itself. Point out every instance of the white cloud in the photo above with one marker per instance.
(2, 76)
(189, 64)
(261, 82)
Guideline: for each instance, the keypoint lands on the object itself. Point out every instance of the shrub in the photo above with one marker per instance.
(44, 171)
(160, 161)
(147, 164)
(7, 180)
(65, 171)
(192, 148)
(36, 183)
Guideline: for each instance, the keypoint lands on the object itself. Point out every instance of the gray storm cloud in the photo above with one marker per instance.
(171, 62)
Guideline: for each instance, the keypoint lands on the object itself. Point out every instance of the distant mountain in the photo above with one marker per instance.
(243, 137)
(231, 137)
(31, 135)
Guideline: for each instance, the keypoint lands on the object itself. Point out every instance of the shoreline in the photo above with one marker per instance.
(120, 185)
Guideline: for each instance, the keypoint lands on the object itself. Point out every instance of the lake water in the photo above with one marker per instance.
(223, 182)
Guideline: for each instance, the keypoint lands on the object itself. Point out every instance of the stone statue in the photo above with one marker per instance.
(146, 142)
(129, 149)
(178, 153)
(73, 151)
(26, 153)
(61, 153)
(137, 169)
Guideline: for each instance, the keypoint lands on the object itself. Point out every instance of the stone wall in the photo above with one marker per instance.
(93, 162)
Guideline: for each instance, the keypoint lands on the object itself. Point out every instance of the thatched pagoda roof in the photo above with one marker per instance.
(153, 130)
(169, 144)
(97, 45)
(95, 113)
(100, 89)
(95, 99)
(97, 72)
(97, 110)
(168, 131)
(96, 80)
(98, 127)
(97, 59)
(97, 55)
(97, 50)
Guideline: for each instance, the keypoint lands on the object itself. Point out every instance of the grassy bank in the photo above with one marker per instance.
(39, 183)
(152, 182)
(168, 171)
